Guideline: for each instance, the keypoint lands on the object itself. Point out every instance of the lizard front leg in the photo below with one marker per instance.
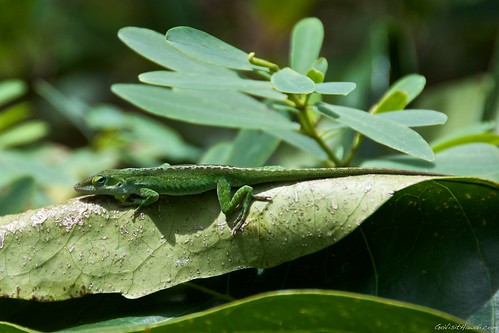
(240, 200)
(145, 197)
(148, 197)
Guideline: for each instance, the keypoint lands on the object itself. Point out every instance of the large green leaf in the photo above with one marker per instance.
(434, 244)
(291, 310)
(314, 311)
(92, 245)
(203, 46)
(215, 108)
(152, 46)
(384, 131)
(306, 43)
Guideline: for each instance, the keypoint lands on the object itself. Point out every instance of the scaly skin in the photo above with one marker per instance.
(143, 186)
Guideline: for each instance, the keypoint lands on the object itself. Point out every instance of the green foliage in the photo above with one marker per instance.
(222, 108)
(115, 137)
(210, 84)
(441, 256)
(262, 244)
(69, 256)
(307, 311)
(133, 138)
(306, 44)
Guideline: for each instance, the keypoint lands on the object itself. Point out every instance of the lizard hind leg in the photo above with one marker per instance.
(241, 200)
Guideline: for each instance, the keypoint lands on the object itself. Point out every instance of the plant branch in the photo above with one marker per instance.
(311, 130)
(357, 139)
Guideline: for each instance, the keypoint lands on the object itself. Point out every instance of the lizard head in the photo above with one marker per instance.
(105, 182)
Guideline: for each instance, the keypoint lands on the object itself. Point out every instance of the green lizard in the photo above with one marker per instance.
(143, 186)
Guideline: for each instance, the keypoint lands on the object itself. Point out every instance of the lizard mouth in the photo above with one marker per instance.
(84, 188)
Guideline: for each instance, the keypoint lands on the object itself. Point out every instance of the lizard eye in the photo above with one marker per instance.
(99, 180)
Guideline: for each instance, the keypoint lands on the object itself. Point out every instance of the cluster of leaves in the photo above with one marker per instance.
(211, 85)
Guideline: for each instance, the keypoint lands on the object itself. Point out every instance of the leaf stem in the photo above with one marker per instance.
(261, 62)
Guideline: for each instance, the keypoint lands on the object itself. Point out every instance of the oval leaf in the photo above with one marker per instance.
(306, 43)
(289, 81)
(224, 109)
(335, 88)
(384, 131)
(474, 159)
(415, 118)
(211, 82)
(203, 46)
(411, 84)
(201, 81)
(152, 46)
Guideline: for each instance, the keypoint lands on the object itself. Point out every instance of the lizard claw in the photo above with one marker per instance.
(240, 223)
